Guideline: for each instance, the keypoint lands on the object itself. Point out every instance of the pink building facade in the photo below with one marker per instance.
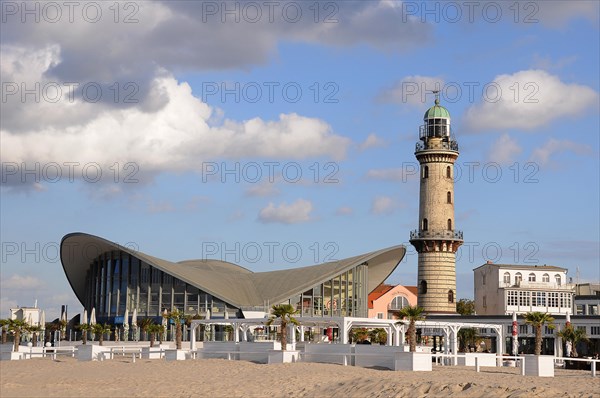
(386, 299)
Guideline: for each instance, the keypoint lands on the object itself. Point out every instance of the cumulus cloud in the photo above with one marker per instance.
(528, 100)
(545, 154)
(372, 141)
(383, 205)
(504, 150)
(294, 213)
(174, 137)
(187, 35)
(413, 90)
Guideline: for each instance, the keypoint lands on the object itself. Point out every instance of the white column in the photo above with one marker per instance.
(390, 337)
(236, 332)
(454, 339)
(301, 333)
(344, 328)
(193, 336)
(499, 345)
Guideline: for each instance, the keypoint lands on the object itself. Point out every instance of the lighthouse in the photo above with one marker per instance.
(436, 240)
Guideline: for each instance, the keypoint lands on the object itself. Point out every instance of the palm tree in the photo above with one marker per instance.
(16, 327)
(574, 336)
(413, 314)
(143, 325)
(378, 335)
(467, 337)
(537, 320)
(179, 318)
(85, 328)
(285, 314)
(153, 329)
(4, 324)
(101, 329)
(34, 330)
(359, 335)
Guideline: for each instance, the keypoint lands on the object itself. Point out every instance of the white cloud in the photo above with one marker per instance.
(557, 14)
(544, 155)
(296, 212)
(383, 205)
(528, 100)
(21, 282)
(262, 189)
(413, 90)
(372, 141)
(173, 137)
(504, 150)
(344, 211)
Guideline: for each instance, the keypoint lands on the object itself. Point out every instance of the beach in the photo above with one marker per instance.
(120, 377)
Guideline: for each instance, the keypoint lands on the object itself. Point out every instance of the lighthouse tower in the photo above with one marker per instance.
(436, 240)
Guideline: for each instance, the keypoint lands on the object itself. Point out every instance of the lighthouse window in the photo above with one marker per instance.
(448, 172)
(449, 197)
(450, 224)
(424, 224)
(450, 296)
(423, 287)
(425, 171)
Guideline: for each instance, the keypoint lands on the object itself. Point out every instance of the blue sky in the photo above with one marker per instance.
(529, 145)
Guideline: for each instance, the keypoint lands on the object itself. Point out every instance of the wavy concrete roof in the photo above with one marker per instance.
(231, 283)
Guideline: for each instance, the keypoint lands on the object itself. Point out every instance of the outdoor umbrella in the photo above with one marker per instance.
(85, 317)
(164, 323)
(126, 325)
(93, 316)
(515, 340)
(43, 324)
(134, 324)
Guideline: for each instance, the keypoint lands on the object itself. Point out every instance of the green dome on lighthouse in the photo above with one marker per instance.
(436, 111)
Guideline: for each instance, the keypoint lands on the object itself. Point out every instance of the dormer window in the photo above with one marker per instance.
(531, 277)
(557, 279)
(545, 278)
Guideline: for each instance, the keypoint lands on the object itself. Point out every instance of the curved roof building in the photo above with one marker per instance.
(115, 280)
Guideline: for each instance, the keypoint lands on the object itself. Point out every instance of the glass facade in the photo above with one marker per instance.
(117, 281)
(343, 295)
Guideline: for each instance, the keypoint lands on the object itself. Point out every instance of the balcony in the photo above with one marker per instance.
(447, 146)
(438, 234)
(535, 285)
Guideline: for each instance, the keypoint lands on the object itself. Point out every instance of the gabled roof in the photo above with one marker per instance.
(231, 283)
(378, 292)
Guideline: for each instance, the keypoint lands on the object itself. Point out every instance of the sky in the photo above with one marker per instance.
(282, 134)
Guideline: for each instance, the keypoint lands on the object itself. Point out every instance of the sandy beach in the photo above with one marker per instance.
(119, 377)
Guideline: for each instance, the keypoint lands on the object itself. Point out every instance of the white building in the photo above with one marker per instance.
(31, 315)
(501, 289)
